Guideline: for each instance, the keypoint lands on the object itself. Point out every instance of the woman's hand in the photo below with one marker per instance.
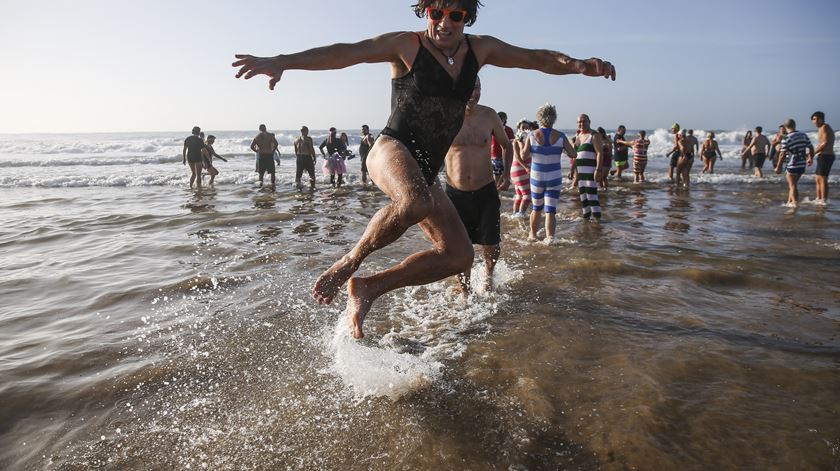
(595, 67)
(251, 66)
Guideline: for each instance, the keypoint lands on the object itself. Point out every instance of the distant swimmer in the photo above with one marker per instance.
(433, 73)
(746, 155)
(777, 145)
(640, 158)
(544, 148)
(689, 148)
(305, 156)
(334, 157)
(825, 155)
(710, 152)
(588, 163)
(471, 185)
(798, 148)
(519, 171)
(621, 152)
(501, 166)
(607, 151)
(365, 146)
(675, 154)
(759, 147)
(207, 154)
(192, 154)
(265, 144)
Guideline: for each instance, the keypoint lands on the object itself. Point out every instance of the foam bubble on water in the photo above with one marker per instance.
(431, 325)
(371, 371)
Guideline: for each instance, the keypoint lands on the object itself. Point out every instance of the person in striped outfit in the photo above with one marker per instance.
(799, 149)
(545, 148)
(519, 171)
(589, 147)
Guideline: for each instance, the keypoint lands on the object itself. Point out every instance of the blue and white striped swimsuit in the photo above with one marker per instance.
(546, 174)
(795, 147)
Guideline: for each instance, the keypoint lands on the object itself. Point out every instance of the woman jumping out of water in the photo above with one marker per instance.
(433, 75)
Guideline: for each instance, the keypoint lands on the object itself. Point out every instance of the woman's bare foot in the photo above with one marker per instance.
(330, 282)
(359, 300)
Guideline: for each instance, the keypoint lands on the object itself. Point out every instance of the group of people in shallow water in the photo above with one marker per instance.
(790, 151)
(199, 153)
(435, 120)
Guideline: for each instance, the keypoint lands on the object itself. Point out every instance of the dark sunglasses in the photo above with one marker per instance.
(437, 14)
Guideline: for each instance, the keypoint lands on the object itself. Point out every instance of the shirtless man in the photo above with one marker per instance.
(759, 147)
(305, 152)
(776, 145)
(471, 185)
(364, 149)
(688, 147)
(265, 144)
(825, 155)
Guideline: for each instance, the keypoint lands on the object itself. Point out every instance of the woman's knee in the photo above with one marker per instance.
(416, 206)
(460, 258)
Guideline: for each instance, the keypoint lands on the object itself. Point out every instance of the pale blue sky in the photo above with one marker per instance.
(155, 65)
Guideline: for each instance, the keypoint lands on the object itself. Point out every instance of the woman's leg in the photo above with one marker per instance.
(451, 254)
(398, 175)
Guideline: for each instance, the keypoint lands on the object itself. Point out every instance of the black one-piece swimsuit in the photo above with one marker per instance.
(427, 108)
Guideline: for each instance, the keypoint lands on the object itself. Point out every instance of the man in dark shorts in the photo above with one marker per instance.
(305, 152)
(364, 150)
(470, 183)
(265, 144)
(192, 154)
(498, 153)
(825, 155)
(621, 152)
(759, 148)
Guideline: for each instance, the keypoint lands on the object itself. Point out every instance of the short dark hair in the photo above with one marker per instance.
(790, 123)
(470, 5)
(643, 133)
(262, 127)
(818, 114)
(759, 129)
(211, 137)
(503, 116)
(196, 130)
(621, 126)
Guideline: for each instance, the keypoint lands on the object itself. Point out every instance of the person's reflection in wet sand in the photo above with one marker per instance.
(201, 200)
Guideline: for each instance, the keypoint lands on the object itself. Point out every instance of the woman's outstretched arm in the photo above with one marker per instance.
(390, 47)
(492, 51)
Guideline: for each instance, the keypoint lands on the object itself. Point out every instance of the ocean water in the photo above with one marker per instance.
(144, 325)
